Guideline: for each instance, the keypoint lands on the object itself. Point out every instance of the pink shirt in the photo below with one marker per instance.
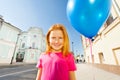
(55, 66)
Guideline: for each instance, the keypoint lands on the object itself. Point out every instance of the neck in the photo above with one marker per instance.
(56, 51)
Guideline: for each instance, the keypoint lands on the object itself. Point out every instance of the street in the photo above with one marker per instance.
(29, 71)
(24, 72)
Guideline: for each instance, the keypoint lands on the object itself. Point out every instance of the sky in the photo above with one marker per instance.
(40, 13)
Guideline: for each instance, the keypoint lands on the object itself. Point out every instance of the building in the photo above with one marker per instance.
(20, 46)
(8, 38)
(104, 50)
(30, 45)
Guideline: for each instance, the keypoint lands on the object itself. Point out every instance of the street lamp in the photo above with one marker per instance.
(14, 49)
(73, 47)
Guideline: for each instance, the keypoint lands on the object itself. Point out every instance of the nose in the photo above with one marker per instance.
(56, 40)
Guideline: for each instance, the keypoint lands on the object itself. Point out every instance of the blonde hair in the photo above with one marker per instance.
(66, 45)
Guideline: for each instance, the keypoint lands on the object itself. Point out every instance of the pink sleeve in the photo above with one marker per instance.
(71, 63)
(39, 64)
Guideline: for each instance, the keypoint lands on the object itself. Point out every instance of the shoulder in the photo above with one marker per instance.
(70, 54)
(42, 55)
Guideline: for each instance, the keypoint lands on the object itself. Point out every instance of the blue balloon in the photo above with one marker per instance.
(87, 16)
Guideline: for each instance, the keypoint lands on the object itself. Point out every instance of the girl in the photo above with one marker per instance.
(57, 63)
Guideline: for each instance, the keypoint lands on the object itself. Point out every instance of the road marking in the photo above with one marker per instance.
(17, 72)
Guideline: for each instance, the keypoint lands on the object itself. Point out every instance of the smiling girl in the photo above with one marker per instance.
(57, 63)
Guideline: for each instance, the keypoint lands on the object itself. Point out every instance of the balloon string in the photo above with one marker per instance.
(90, 42)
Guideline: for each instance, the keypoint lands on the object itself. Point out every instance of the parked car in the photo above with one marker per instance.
(82, 59)
(19, 57)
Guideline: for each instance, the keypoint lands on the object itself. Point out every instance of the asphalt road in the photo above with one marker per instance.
(21, 72)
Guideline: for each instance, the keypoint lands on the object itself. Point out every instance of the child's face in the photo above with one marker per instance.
(56, 40)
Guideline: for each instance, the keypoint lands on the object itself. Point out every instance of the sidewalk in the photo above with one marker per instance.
(88, 72)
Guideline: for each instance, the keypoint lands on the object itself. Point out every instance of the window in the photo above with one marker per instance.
(109, 20)
(33, 45)
(23, 45)
(101, 58)
(34, 36)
